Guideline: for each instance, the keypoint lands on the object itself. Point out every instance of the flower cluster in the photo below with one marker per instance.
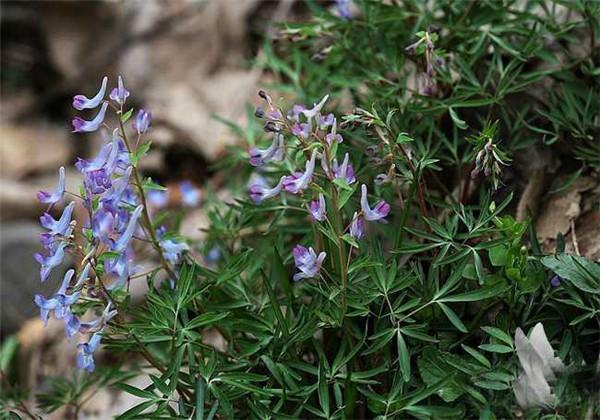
(318, 138)
(113, 199)
(432, 59)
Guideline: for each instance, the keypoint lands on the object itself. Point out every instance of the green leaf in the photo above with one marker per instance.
(323, 391)
(499, 334)
(151, 185)
(200, 388)
(433, 369)
(477, 356)
(479, 267)
(583, 273)
(497, 255)
(452, 317)
(403, 357)
(208, 318)
(134, 157)
(126, 116)
(459, 123)
(485, 292)
(496, 348)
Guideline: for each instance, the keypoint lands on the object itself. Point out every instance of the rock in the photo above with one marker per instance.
(34, 148)
(561, 209)
(20, 275)
(18, 198)
(194, 71)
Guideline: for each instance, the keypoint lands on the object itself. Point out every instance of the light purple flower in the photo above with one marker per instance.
(55, 196)
(343, 9)
(50, 261)
(260, 192)
(326, 120)
(81, 102)
(345, 170)
(307, 262)
(119, 94)
(118, 268)
(142, 121)
(121, 244)
(158, 198)
(172, 250)
(317, 209)
(62, 225)
(357, 227)
(333, 136)
(299, 181)
(555, 281)
(315, 110)
(103, 224)
(85, 356)
(294, 113)
(301, 130)
(378, 213)
(99, 323)
(275, 152)
(190, 195)
(59, 302)
(84, 126)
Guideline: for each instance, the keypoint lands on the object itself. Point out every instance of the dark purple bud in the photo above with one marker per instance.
(259, 113)
(270, 126)
(262, 94)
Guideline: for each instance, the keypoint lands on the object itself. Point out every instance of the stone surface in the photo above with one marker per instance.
(32, 148)
(20, 275)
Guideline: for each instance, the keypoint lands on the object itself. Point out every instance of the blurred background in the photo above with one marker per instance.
(185, 61)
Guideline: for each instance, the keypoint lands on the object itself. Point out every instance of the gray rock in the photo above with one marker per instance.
(20, 276)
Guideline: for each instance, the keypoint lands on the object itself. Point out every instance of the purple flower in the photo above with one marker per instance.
(61, 226)
(357, 227)
(555, 281)
(123, 241)
(295, 112)
(57, 195)
(275, 151)
(327, 120)
(50, 261)
(99, 323)
(85, 356)
(301, 130)
(83, 126)
(96, 182)
(142, 121)
(316, 109)
(158, 198)
(378, 212)
(333, 136)
(59, 302)
(98, 162)
(81, 102)
(118, 268)
(112, 198)
(345, 170)
(343, 9)
(317, 209)
(103, 224)
(299, 181)
(190, 195)
(172, 250)
(260, 192)
(307, 262)
(119, 94)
